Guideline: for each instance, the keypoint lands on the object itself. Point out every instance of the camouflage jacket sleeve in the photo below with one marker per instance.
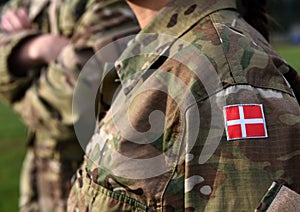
(12, 87)
(47, 105)
(20, 92)
(61, 20)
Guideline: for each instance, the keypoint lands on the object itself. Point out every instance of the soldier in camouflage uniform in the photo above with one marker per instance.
(231, 123)
(41, 92)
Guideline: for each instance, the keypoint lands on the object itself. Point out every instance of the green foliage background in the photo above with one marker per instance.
(13, 136)
(12, 150)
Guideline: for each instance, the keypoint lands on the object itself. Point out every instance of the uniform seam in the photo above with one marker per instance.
(180, 149)
(237, 84)
(213, 20)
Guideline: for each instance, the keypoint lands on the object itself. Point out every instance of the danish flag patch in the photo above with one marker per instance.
(244, 121)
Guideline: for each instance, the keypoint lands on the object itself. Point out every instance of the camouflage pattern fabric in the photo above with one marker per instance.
(279, 198)
(200, 57)
(43, 98)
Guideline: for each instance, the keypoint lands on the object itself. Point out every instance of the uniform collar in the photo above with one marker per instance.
(180, 15)
(172, 22)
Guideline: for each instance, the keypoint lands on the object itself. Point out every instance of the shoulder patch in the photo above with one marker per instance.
(244, 121)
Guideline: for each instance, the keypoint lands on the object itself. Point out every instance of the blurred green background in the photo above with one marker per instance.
(12, 148)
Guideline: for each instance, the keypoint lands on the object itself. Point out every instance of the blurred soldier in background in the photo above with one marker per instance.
(44, 44)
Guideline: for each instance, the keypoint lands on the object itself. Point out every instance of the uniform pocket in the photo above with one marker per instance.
(89, 196)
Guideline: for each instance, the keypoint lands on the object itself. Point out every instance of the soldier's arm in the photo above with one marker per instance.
(54, 89)
(35, 52)
(13, 86)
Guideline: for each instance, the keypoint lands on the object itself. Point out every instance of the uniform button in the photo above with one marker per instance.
(119, 65)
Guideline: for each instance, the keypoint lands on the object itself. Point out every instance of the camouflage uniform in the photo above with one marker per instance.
(140, 160)
(43, 98)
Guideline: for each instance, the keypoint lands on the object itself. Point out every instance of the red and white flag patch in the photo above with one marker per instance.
(244, 121)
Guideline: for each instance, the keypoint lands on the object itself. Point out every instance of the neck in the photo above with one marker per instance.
(145, 10)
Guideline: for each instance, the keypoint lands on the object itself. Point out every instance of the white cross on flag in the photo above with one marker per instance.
(245, 121)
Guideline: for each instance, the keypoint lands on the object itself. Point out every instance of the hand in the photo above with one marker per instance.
(46, 48)
(15, 20)
(35, 52)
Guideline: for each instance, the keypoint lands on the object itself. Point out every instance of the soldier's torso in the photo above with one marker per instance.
(231, 125)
